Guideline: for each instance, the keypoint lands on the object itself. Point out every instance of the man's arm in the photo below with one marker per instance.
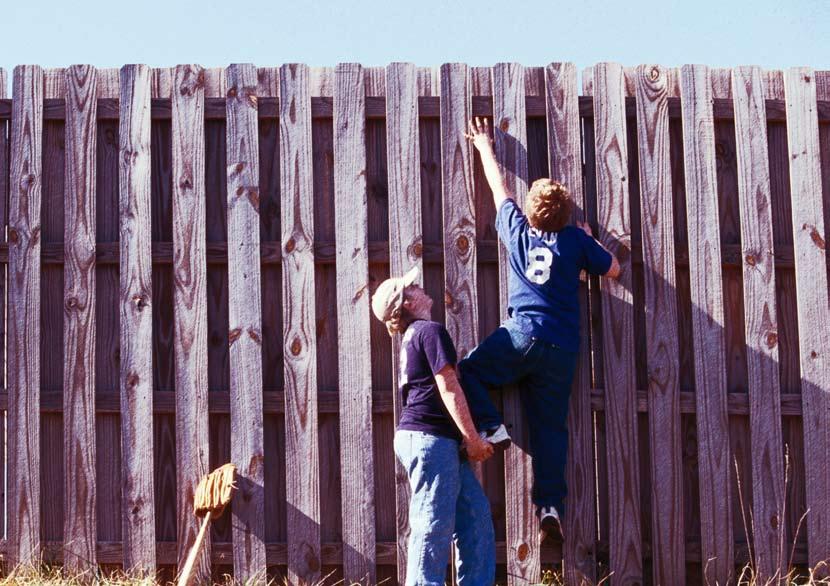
(453, 397)
(480, 136)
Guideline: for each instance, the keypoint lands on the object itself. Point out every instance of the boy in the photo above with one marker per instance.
(448, 503)
(536, 347)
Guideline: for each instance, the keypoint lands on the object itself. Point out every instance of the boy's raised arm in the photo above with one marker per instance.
(479, 134)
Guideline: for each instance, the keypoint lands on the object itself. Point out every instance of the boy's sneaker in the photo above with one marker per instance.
(497, 436)
(549, 524)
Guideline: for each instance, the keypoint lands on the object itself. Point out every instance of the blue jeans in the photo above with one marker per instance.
(543, 373)
(447, 504)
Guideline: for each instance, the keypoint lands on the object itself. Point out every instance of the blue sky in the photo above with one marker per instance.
(769, 33)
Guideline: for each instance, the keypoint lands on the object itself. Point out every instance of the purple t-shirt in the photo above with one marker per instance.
(426, 349)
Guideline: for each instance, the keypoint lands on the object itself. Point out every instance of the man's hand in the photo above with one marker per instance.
(479, 135)
(478, 449)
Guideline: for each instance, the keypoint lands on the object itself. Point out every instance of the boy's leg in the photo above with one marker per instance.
(432, 464)
(475, 539)
(545, 392)
(497, 361)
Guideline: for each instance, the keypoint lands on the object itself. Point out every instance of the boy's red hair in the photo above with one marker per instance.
(548, 205)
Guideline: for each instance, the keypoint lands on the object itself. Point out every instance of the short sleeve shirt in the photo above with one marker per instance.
(425, 350)
(543, 283)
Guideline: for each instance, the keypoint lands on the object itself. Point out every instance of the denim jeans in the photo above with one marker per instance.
(543, 373)
(447, 504)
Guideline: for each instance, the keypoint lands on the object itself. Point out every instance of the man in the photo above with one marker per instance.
(536, 347)
(448, 503)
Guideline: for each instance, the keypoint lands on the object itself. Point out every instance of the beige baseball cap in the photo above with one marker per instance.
(389, 295)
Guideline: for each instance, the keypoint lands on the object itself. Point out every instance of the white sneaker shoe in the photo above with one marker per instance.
(497, 436)
(549, 524)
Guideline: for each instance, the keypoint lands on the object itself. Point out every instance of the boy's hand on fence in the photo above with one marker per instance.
(479, 134)
(477, 449)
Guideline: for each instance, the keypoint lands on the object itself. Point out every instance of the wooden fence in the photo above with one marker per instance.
(187, 269)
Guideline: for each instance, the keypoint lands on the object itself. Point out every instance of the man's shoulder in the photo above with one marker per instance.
(426, 326)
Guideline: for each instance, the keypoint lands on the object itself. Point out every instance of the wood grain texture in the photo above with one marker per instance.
(662, 352)
(405, 238)
(190, 304)
(79, 321)
(4, 218)
(510, 129)
(761, 322)
(354, 347)
(809, 232)
(136, 321)
(299, 339)
(245, 323)
(460, 272)
(714, 460)
(24, 319)
(617, 327)
(565, 164)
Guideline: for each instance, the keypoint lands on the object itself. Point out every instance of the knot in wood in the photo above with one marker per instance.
(186, 182)
(232, 92)
(815, 236)
(255, 336)
(290, 245)
(129, 156)
(296, 347)
(750, 259)
(26, 181)
(813, 354)
(132, 380)
(522, 552)
(239, 167)
(462, 243)
(416, 250)
(13, 236)
(140, 301)
(234, 334)
(773, 521)
(654, 73)
(71, 302)
(772, 339)
(504, 124)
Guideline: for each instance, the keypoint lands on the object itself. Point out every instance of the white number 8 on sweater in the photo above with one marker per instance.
(538, 266)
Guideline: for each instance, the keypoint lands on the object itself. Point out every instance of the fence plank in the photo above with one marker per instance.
(5, 137)
(190, 304)
(300, 351)
(510, 126)
(79, 320)
(617, 327)
(714, 463)
(760, 321)
(657, 221)
(245, 322)
(808, 215)
(405, 237)
(24, 315)
(136, 323)
(354, 348)
(565, 163)
(458, 209)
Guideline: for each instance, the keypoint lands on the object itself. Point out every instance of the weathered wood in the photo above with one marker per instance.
(458, 209)
(79, 321)
(656, 218)
(510, 128)
(4, 218)
(136, 321)
(24, 320)
(761, 323)
(565, 164)
(190, 304)
(617, 327)
(354, 347)
(405, 238)
(714, 461)
(300, 344)
(245, 323)
(809, 232)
